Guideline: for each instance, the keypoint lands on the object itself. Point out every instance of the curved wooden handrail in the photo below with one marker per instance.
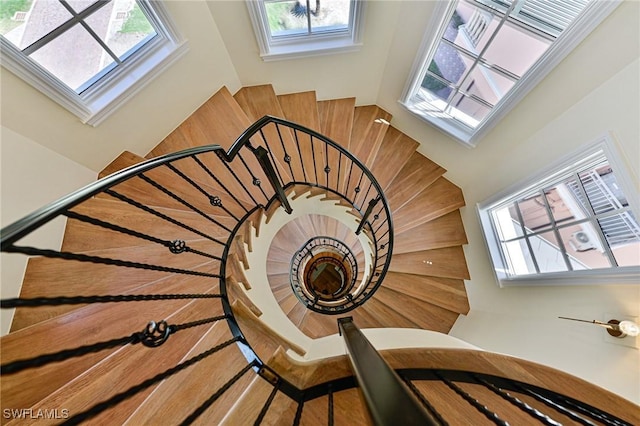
(308, 374)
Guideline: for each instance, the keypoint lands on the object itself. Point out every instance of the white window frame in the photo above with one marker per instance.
(112, 90)
(301, 46)
(548, 176)
(594, 13)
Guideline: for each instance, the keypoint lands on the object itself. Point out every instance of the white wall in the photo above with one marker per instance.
(523, 321)
(591, 91)
(30, 177)
(343, 75)
(594, 90)
(144, 120)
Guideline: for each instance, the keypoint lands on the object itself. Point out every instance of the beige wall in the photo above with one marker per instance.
(593, 90)
(146, 118)
(30, 177)
(343, 75)
(523, 321)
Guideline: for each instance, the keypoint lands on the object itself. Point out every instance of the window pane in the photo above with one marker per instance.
(602, 190)
(80, 5)
(75, 57)
(122, 26)
(286, 18)
(448, 63)
(584, 246)
(470, 27)
(507, 223)
(547, 252)
(534, 213)
(333, 15)
(45, 16)
(514, 49)
(518, 258)
(623, 236)
(437, 87)
(487, 84)
(13, 14)
(467, 110)
(566, 201)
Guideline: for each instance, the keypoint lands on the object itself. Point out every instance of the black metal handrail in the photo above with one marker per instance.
(223, 206)
(339, 299)
(351, 181)
(220, 189)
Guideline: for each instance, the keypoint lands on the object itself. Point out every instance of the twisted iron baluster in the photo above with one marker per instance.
(153, 335)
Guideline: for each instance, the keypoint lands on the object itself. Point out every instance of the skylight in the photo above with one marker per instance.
(486, 54)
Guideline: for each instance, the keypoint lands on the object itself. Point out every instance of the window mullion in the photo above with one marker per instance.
(101, 42)
(526, 238)
(556, 232)
(592, 214)
(309, 17)
(481, 54)
(57, 32)
(86, 26)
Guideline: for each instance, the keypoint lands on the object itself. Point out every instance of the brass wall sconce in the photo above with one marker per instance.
(614, 327)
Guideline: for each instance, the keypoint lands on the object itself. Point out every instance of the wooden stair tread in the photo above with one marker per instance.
(82, 237)
(426, 315)
(448, 262)
(200, 129)
(258, 101)
(447, 293)
(301, 108)
(444, 231)
(78, 328)
(281, 411)
(121, 370)
(447, 402)
(256, 330)
(55, 277)
(278, 281)
(436, 200)
(282, 294)
(235, 292)
(279, 254)
(297, 313)
(317, 325)
(278, 267)
(387, 316)
(179, 395)
(235, 269)
(145, 192)
(394, 152)
(336, 121)
(250, 403)
(122, 161)
(370, 124)
(416, 175)
(288, 302)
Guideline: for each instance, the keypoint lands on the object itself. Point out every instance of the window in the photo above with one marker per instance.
(288, 28)
(574, 222)
(87, 55)
(480, 57)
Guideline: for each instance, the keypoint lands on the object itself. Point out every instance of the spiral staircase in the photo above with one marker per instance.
(196, 245)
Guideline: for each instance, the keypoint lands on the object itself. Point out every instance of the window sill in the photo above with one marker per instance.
(625, 275)
(106, 99)
(309, 49)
